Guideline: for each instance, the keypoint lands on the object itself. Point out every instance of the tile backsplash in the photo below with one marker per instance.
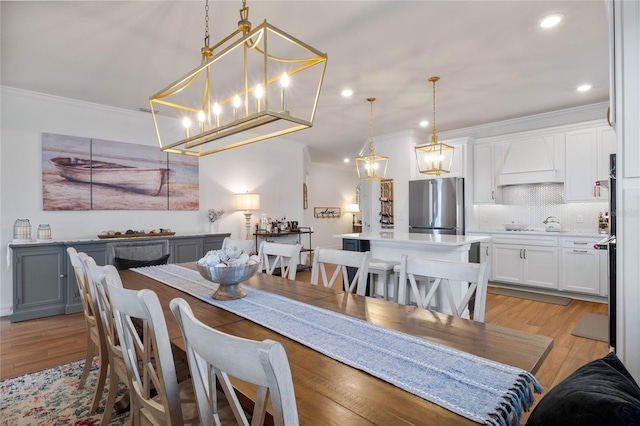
(531, 205)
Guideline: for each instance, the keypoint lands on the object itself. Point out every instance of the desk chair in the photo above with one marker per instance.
(247, 246)
(96, 344)
(286, 257)
(441, 272)
(341, 259)
(135, 254)
(149, 359)
(214, 356)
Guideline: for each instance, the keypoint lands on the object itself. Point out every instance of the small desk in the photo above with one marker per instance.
(306, 248)
(329, 392)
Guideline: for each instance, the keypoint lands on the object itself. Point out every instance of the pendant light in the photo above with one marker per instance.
(257, 83)
(434, 158)
(372, 166)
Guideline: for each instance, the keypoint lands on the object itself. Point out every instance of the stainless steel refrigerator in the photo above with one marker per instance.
(436, 206)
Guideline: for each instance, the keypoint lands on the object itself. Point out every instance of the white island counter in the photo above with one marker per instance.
(392, 245)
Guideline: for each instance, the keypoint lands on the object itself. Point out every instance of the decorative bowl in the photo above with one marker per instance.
(229, 279)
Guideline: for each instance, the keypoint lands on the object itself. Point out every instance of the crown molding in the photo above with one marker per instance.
(531, 122)
(43, 97)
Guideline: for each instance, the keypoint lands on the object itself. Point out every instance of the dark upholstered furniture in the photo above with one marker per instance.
(600, 393)
(134, 254)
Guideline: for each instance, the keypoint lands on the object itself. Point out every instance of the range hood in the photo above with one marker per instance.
(532, 160)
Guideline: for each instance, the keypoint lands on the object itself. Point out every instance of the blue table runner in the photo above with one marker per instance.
(479, 389)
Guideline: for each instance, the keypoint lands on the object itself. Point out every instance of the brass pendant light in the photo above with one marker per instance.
(372, 166)
(434, 158)
(245, 90)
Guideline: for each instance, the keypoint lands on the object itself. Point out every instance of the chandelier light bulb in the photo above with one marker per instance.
(259, 91)
(216, 108)
(236, 104)
(284, 80)
(186, 122)
(201, 116)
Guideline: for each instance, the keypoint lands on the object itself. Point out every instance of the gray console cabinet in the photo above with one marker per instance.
(39, 282)
(44, 283)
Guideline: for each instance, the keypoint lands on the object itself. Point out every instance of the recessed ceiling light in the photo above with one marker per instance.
(347, 93)
(584, 88)
(424, 123)
(551, 21)
(346, 160)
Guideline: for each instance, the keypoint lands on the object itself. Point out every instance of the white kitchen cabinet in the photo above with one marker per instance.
(485, 190)
(485, 255)
(587, 160)
(532, 262)
(580, 266)
(583, 269)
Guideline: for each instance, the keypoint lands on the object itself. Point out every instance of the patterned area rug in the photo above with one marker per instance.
(51, 397)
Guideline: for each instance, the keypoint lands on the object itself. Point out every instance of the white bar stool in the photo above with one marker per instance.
(381, 272)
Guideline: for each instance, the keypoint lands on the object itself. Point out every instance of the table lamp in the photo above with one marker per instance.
(247, 202)
(353, 209)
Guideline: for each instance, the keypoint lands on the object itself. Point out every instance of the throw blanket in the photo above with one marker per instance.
(484, 391)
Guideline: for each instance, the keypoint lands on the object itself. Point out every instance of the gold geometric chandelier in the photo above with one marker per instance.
(434, 158)
(253, 85)
(372, 166)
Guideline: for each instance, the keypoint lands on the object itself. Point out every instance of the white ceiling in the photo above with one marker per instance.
(494, 61)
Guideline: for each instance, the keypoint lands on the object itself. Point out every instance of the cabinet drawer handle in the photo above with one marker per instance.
(493, 195)
(520, 253)
(575, 243)
(61, 276)
(487, 250)
(580, 251)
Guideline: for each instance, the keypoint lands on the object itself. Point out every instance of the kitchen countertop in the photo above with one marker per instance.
(550, 234)
(417, 239)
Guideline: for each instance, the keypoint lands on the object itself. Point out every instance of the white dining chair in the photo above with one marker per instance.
(147, 353)
(247, 246)
(117, 369)
(341, 260)
(283, 256)
(439, 273)
(214, 357)
(96, 344)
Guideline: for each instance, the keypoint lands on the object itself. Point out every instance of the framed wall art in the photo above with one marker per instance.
(91, 174)
(326, 212)
(305, 200)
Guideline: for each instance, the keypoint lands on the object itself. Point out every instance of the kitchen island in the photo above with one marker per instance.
(391, 246)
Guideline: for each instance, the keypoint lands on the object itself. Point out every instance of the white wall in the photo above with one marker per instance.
(275, 168)
(330, 186)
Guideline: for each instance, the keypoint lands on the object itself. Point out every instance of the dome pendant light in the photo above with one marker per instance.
(434, 158)
(372, 166)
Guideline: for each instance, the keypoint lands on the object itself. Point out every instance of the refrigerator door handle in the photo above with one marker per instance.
(433, 204)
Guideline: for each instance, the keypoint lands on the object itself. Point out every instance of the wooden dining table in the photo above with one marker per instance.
(329, 392)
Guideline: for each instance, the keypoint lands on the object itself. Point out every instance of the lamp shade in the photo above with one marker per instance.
(247, 201)
(354, 208)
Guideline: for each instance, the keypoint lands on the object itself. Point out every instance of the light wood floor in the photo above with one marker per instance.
(33, 345)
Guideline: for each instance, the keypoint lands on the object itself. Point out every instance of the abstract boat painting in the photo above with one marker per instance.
(92, 174)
